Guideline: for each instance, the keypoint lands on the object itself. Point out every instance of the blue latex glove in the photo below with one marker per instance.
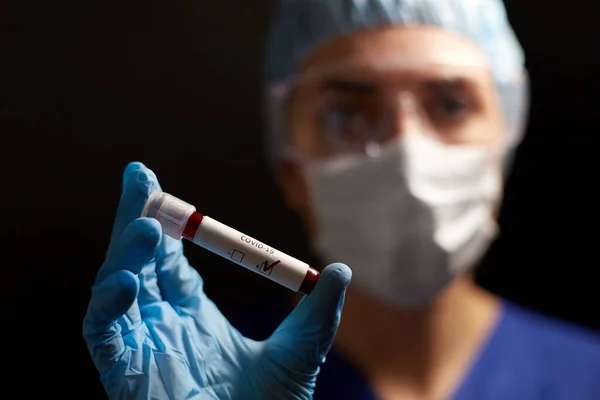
(153, 333)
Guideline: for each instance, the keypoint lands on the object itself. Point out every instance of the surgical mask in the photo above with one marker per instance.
(409, 221)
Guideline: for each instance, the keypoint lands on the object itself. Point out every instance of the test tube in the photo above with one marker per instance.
(181, 220)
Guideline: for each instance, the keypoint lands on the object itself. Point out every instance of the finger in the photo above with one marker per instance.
(180, 284)
(148, 231)
(138, 183)
(308, 331)
(110, 300)
(134, 249)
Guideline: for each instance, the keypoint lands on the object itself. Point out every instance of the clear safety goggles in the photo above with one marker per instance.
(356, 109)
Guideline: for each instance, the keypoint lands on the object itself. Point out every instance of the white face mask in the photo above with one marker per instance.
(409, 221)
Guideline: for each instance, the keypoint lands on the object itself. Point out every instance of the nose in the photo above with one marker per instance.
(403, 115)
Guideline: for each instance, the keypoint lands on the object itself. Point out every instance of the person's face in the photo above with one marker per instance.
(355, 93)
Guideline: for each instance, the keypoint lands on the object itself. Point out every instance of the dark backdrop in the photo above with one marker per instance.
(86, 87)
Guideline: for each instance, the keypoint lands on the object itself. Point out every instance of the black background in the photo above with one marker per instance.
(86, 87)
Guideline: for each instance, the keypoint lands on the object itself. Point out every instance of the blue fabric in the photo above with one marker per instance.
(299, 26)
(528, 356)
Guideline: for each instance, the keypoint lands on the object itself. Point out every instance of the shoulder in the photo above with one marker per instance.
(552, 335)
(564, 356)
(538, 357)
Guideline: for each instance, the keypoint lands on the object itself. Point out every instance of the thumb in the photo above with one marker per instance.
(309, 330)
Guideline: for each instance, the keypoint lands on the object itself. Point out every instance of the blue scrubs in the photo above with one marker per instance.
(528, 356)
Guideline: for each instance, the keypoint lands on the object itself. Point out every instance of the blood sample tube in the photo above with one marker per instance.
(180, 220)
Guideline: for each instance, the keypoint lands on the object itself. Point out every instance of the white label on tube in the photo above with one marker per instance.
(251, 254)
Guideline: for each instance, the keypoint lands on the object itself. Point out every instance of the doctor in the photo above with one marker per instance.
(392, 125)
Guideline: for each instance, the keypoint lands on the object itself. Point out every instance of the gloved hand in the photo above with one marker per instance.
(153, 333)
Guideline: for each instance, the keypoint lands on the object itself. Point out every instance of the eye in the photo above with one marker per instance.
(343, 121)
(450, 108)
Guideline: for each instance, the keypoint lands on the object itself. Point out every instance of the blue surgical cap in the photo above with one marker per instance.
(301, 25)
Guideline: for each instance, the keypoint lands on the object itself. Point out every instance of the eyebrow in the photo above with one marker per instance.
(348, 86)
(447, 84)
(353, 87)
